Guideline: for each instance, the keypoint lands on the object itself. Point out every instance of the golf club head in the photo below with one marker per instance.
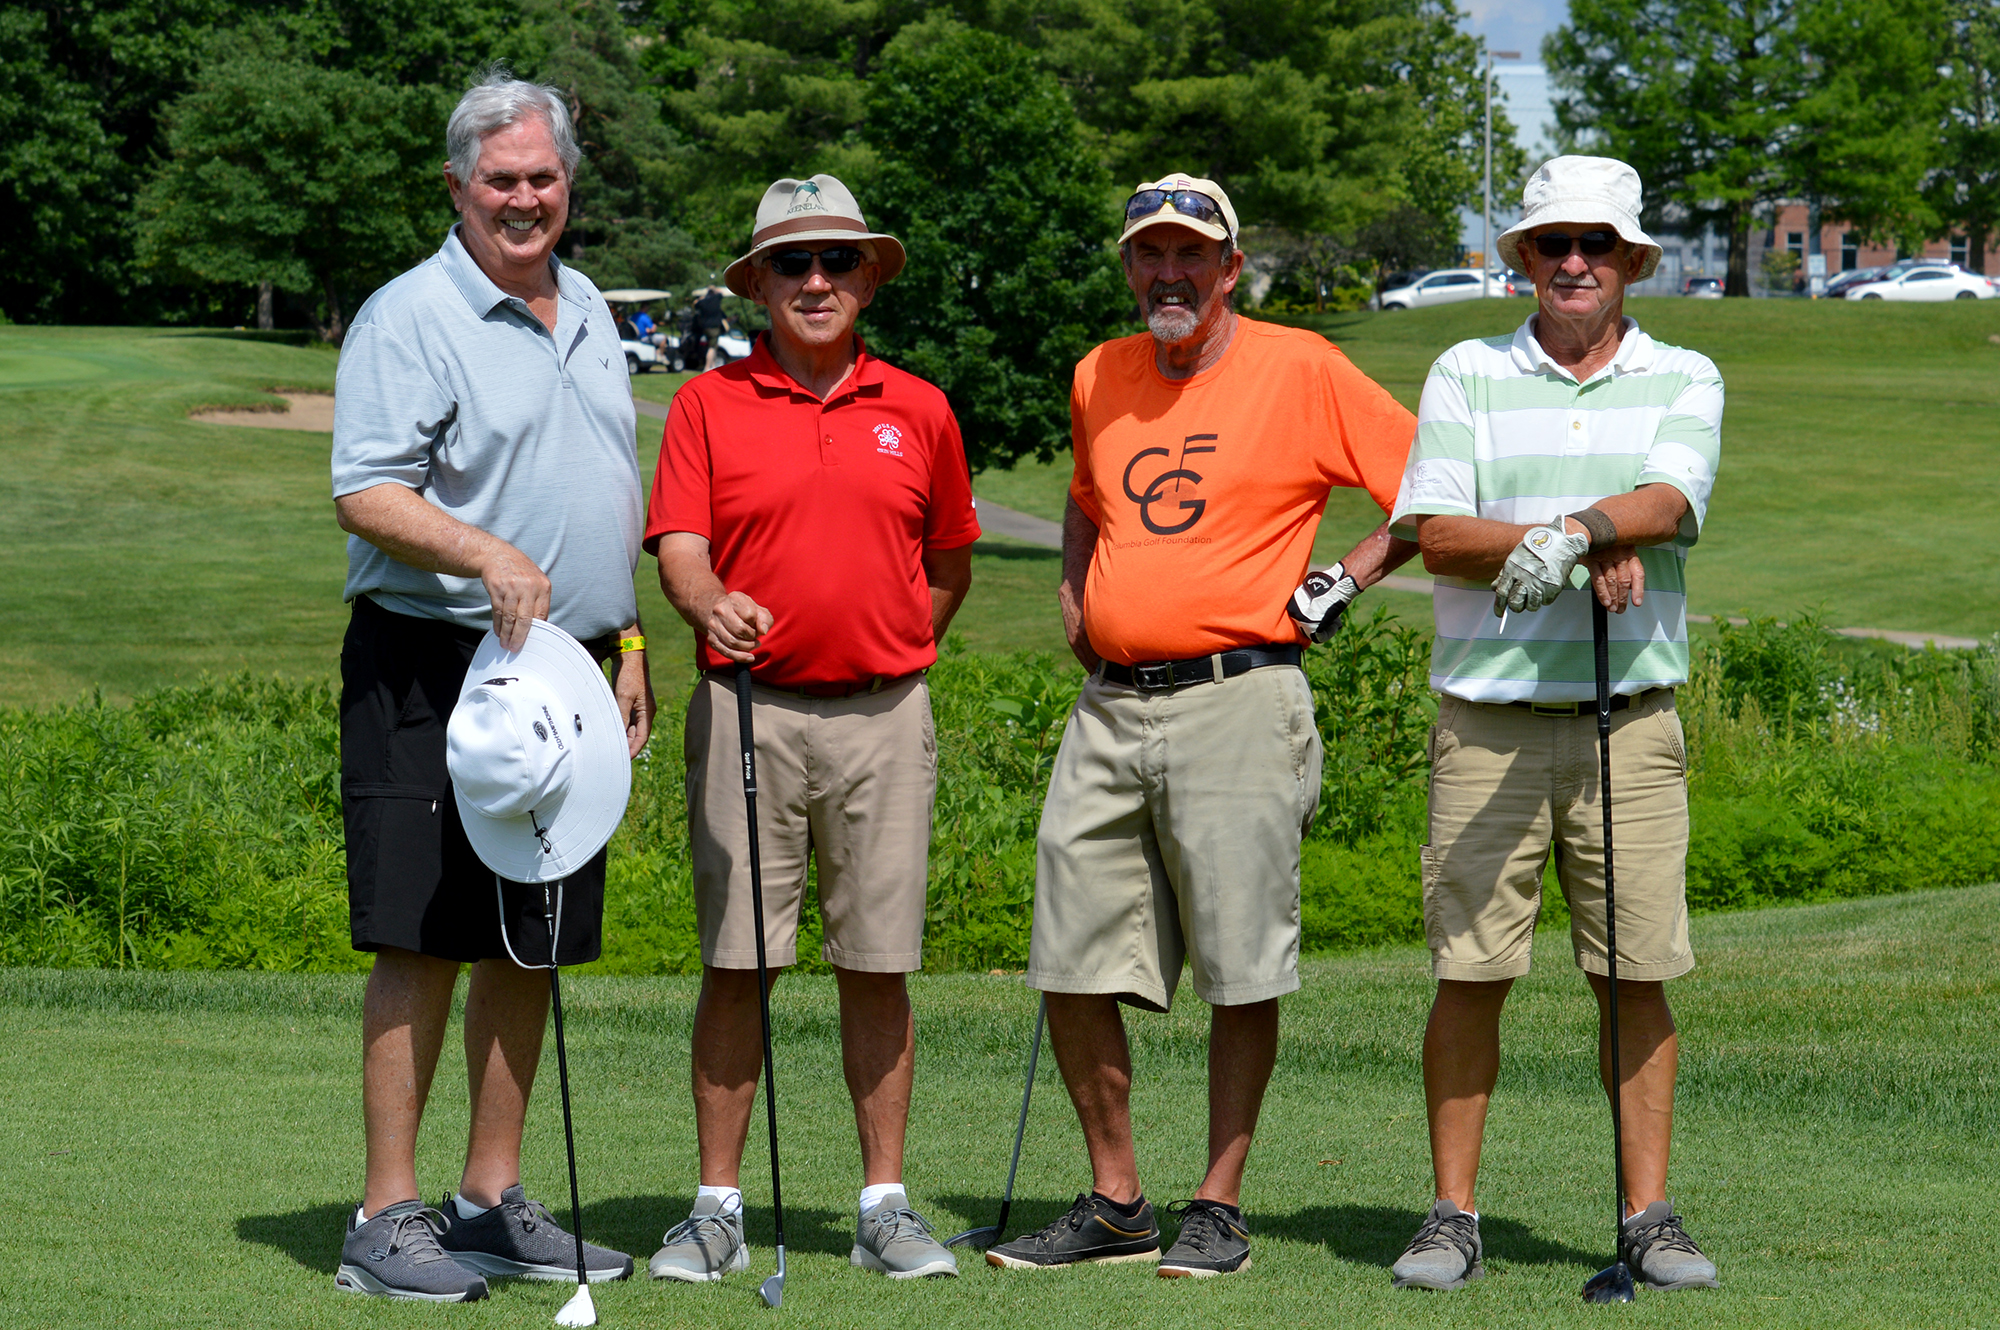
(579, 1310)
(975, 1237)
(1611, 1284)
(772, 1291)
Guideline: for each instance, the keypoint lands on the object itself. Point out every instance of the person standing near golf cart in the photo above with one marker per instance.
(484, 468)
(1190, 767)
(1577, 413)
(812, 514)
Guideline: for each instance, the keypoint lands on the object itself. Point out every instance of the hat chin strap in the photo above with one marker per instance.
(555, 916)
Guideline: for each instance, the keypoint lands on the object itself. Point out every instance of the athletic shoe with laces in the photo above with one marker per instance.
(1445, 1254)
(396, 1255)
(520, 1237)
(1214, 1240)
(895, 1240)
(1661, 1254)
(705, 1246)
(1094, 1230)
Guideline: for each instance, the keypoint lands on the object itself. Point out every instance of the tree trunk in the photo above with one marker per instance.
(1975, 247)
(263, 307)
(1738, 283)
(335, 328)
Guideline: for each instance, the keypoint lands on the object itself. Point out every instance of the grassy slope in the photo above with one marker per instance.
(182, 1148)
(1856, 437)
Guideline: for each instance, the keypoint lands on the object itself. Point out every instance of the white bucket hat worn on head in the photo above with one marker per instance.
(797, 212)
(538, 758)
(1172, 183)
(1581, 191)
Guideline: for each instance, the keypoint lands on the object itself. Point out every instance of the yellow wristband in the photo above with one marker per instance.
(626, 644)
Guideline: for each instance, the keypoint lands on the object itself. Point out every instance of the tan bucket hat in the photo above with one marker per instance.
(1172, 183)
(797, 211)
(1580, 191)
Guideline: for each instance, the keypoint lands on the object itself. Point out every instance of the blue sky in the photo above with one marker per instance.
(1514, 25)
(1523, 86)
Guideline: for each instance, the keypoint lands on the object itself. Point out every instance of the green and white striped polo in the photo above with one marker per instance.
(1503, 432)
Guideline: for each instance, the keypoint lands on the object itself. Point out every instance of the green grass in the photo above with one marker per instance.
(181, 1149)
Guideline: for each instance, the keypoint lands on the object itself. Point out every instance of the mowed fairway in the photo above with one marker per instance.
(182, 1149)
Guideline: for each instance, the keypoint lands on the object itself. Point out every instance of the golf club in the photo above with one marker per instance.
(986, 1237)
(579, 1310)
(1614, 1282)
(773, 1289)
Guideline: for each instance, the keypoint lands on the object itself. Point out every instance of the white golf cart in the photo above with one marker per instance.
(658, 350)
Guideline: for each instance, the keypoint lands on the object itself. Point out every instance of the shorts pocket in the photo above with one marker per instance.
(1670, 725)
(1436, 934)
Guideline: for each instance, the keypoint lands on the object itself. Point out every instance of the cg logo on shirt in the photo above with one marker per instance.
(1156, 491)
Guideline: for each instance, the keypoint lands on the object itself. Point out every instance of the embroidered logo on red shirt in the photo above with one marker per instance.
(889, 440)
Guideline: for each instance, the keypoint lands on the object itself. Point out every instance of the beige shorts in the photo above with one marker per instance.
(1171, 831)
(847, 781)
(1507, 788)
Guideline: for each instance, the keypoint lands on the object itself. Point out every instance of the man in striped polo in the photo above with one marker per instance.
(1576, 445)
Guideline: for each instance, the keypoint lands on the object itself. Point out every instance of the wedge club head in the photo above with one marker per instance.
(772, 1290)
(1611, 1284)
(974, 1237)
(579, 1310)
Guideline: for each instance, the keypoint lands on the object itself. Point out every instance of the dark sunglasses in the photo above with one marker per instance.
(799, 262)
(1594, 244)
(1183, 201)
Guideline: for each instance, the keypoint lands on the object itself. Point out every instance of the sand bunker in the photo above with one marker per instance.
(312, 412)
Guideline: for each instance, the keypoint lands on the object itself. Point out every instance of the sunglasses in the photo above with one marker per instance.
(1183, 201)
(799, 262)
(1594, 244)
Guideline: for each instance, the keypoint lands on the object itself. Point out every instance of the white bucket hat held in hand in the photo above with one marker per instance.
(537, 754)
(802, 212)
(1581, 191)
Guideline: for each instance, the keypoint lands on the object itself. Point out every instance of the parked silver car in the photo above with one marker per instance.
(1444, 287)
(1928, 282)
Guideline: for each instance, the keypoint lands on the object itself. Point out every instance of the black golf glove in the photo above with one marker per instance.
(1317, 606)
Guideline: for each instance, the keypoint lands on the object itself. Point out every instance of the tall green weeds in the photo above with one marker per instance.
(200, 827)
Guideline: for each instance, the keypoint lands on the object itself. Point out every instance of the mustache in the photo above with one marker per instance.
(1160, 290)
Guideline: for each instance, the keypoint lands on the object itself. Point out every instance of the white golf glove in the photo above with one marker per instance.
(1321, 599)
(1538, 569)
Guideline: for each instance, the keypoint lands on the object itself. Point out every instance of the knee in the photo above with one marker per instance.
(730, 988)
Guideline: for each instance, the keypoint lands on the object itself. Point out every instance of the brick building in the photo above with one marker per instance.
(1844, 250)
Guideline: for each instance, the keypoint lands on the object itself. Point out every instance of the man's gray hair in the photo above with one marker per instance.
(497, 101)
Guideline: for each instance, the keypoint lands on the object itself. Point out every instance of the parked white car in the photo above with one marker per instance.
(1444, 287)
(1926, 283)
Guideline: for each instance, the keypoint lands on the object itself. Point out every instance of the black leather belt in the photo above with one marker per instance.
(1153, 675)
(1619, 703)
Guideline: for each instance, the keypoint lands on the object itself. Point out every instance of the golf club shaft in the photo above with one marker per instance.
(1021, 1127)
(1600, 625)
(749, 738)
(562, 1080)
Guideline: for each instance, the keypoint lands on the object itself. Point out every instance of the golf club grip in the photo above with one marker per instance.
(748, 736)
(1600, 626)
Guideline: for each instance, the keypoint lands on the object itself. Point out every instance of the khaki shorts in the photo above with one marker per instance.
(1507, 787)
(848, 781)
(1171, 830)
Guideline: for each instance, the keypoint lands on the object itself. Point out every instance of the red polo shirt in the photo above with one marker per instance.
(818, 511)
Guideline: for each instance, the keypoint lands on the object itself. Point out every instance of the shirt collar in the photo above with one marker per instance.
(481, 292)
(765, 371)
(1634, 356)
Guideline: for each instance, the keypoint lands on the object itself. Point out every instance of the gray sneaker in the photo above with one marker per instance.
(520, 1237)
(896, 1240)
(705, 1246)
(1660, 1252)
(1445, 1254)
(396, 1255)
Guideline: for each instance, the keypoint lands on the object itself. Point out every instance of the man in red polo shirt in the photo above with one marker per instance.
(812, 514)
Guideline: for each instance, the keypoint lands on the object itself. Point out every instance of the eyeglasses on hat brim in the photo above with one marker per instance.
(1188, 203)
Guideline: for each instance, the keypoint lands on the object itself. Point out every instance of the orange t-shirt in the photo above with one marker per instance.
(1207, 491)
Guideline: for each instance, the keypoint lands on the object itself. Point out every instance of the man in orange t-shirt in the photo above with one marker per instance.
(1190, 768)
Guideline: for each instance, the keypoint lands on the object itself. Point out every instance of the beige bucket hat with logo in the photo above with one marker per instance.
(797, 212)
(1580, 191)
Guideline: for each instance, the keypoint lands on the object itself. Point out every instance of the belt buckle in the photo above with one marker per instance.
(1153, 676)
(1571, 709)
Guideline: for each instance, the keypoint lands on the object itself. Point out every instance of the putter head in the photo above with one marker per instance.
(975, 1237)
(1611, 1284)
(579, 1310)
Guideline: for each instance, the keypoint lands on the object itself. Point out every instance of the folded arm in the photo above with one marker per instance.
(1475, 548)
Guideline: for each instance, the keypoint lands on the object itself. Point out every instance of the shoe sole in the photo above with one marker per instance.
(499, 1267)
(1200, 1271)
(1437, 1286)
(353, 1279)
(1680, 1284)
(996, 1259)
(863, 1259)
(740, 1261)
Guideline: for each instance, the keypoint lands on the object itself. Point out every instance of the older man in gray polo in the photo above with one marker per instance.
(483, 464)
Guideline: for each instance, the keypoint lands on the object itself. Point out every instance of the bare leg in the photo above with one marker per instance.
(1088, 1036)
(506, 1011)
(728, 1048)
(403, 1017)
(1649, 1057)
(878, 1052)
(1461, 1063)
(1242, 1050)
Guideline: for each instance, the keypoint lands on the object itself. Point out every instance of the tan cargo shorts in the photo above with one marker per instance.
(1508, 788)
(848, 781)
(1171, 832)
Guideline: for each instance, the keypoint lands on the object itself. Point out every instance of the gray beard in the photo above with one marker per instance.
(1172, 324)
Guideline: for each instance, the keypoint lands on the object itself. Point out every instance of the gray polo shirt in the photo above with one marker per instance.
(452, 387)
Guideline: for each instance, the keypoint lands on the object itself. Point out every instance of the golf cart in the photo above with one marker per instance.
(660, 350)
